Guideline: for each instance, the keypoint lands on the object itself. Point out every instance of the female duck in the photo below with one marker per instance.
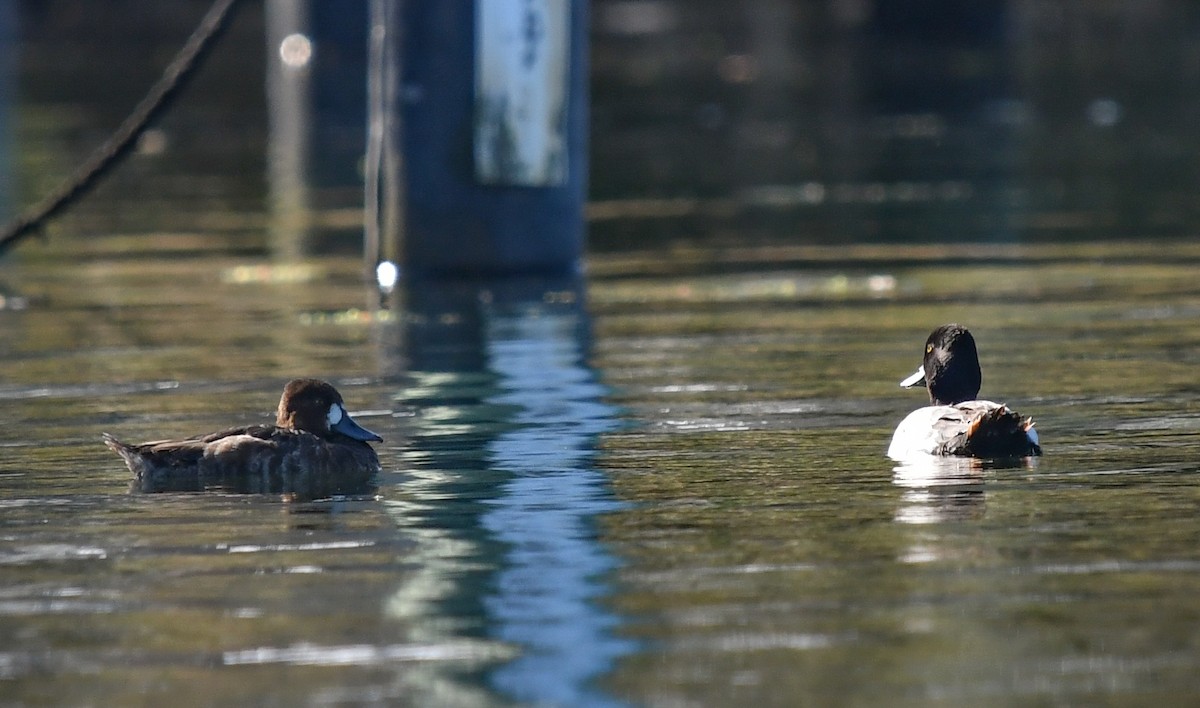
(956, 423)
(313, 451)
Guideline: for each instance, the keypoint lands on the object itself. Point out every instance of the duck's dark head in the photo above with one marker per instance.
(316, 407)
(951, 367)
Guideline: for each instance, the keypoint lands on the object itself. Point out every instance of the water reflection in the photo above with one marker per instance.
(8, 70)
(316, 112)
(288, 157)
(503, 492)
(938, 489)
(992, 120)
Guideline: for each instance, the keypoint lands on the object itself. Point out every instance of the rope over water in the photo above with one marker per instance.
(181, 68)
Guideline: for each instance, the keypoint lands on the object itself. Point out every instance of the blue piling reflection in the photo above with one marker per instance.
(508, 421)
(544, 595)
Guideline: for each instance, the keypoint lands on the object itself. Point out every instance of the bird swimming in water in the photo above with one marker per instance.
(955, 422)
(314, 450)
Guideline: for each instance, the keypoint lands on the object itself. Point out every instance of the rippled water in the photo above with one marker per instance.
(655, 488)
(774, 554)
(662, 483)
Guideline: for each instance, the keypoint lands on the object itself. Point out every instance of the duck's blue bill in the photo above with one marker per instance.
(346, 426)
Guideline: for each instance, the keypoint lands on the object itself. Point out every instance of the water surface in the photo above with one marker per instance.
(663, 482)
(676, 494)
(774, 555)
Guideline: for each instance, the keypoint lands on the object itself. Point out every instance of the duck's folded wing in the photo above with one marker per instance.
(157, 457)
(990, 430)
(262, 432)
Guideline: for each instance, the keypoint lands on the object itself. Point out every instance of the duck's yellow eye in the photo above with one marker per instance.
(928, 348)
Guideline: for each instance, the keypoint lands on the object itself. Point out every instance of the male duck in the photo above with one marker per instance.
(956, 423)
(314, 450)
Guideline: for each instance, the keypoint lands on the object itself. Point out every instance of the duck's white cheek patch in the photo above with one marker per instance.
(335, 415)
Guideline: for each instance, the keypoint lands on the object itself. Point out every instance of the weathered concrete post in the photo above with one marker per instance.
(489, 133)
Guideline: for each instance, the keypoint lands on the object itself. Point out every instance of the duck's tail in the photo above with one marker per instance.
(1000, 432)
(135, 462)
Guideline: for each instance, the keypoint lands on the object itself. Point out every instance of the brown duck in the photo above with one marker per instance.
(313, 451)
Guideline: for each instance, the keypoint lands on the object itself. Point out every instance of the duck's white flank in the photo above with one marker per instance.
(925, 430)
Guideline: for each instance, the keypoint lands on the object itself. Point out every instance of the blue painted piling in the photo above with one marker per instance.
(491, 119)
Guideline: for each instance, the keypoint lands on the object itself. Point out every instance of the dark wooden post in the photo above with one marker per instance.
(489, 121)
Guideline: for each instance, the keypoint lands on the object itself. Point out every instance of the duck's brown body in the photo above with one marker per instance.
(313, 451)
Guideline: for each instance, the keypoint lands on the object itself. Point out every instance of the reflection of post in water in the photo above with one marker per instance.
(504, 494)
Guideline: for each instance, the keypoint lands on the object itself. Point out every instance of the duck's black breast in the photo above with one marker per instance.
(261, 459)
